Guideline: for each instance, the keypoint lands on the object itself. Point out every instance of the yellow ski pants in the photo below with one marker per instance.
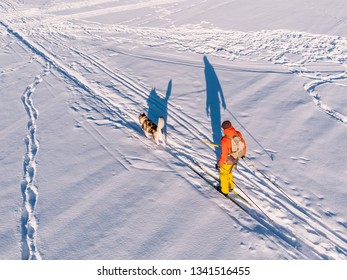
(226, 178)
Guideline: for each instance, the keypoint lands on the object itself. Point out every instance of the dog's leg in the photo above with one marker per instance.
(156, 137)
(147, 134)
(161, 138)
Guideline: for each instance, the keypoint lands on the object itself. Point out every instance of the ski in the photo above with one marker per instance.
(207, 171)
(233, 196)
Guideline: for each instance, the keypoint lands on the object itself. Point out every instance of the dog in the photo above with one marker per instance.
(152, 129)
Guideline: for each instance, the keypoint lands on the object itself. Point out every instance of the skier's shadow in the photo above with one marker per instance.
(157, 106)
(214, 96)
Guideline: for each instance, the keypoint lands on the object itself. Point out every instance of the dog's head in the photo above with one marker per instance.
(142, 118)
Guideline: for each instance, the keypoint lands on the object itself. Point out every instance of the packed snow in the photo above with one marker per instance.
(80, 180)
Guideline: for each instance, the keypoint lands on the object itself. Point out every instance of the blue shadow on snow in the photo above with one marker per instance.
(157, 106)
(214, 96)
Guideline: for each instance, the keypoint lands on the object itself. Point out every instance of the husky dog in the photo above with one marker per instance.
(150, 128)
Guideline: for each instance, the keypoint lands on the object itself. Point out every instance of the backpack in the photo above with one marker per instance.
(237, 148)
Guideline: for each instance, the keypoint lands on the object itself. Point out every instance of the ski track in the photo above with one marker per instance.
(182, 153)
(29, 188)
(290, 234)
(295, 51)
(288, 209)
(7, 6)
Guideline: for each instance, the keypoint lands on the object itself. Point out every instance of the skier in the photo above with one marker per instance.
(233, 148)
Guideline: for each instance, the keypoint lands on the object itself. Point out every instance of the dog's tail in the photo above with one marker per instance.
(161, 123)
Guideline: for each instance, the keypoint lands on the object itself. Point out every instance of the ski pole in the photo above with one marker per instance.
(210, 143)
(250, 134)
(249, 163)
(253, 202)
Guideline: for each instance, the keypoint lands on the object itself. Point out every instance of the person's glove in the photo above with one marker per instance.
(217, 166)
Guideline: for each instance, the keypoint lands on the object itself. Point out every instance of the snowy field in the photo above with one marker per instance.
(80, 181)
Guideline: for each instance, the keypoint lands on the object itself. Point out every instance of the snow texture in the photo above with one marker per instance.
(79, 180)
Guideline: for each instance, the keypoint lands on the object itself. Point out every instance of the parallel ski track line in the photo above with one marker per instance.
(299, 213)
(272, 46)
(124, 115)
(294, 239)
(178, 154)
(272, 229)
(131, 85)
(198, 65)
(272, 43)
(30, 193)
(7, 6)
(256, 183)
(142, 91)
(300, 209)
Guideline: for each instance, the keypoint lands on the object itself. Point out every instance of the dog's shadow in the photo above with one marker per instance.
(157, 106)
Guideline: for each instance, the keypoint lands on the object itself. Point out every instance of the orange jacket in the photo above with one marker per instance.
(226, 144)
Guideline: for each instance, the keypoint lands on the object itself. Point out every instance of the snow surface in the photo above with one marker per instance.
(80, 181)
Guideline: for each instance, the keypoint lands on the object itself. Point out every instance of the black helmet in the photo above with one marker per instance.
(226, 124)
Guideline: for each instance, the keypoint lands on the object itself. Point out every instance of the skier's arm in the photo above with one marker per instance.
(224, 154)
